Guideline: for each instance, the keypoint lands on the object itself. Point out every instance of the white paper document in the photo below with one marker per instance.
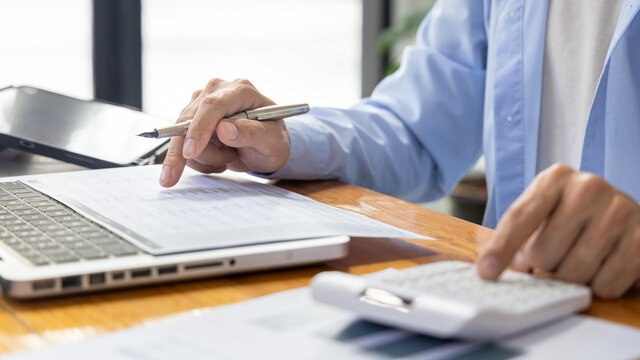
(289, 325)
(201, 211)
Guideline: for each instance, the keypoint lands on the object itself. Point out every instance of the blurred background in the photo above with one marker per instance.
(152, 54)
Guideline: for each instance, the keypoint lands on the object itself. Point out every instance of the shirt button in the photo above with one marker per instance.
(513, 14)
(509, 118)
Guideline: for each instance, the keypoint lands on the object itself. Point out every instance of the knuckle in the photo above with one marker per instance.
(578, 270)
(587, 187)
(212, 100)
(550, 176)
(243, 82)
(184, 116)
(556, 171)
(634, 245)
(213, 83)
(621, 209)
(607, 291)
(517, 212)
(538, 255)
(173, 157)
(601, 291)
(195, 94)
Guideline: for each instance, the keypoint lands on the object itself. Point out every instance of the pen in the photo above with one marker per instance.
(273, 112)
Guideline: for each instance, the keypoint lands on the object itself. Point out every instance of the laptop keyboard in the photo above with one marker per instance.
(45, 231)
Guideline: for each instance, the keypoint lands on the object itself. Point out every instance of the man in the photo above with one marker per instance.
(531, 83)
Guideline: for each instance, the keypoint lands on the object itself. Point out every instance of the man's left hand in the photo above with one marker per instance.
(574, 225)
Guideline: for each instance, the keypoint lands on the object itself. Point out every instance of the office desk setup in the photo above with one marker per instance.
(36, 323)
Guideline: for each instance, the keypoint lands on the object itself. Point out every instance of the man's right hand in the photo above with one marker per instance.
(213, 145)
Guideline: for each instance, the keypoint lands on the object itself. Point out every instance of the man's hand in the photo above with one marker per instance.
(214, 145)
(574, 225)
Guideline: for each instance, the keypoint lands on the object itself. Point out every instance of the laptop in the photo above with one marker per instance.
(56, 239)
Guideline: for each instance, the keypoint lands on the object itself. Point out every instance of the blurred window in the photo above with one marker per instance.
(291, 50)
(47, 44)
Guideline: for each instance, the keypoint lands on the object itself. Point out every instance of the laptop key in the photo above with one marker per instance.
(27, 211)
(20, 190)
(30, 196)
(19, 246)
(62, 257)
(25, 233)
(90, 252)
(60, 232)
(119, 249)
(57, 252)
(19, 227)
(11, 185)
(103, 240)
(68, 238)
(41, 203)
(75, 223)
(40, 223)
(36, 239)
(55, 213)
(66, 219)
(84, 228)
(33, 217)
(35, 258)
(20, 206)
(10, 240)
(94, 235)
(11, 202)
(5, 217)
(51, 208)
(51, 227)
(15, 221)
(49, 245)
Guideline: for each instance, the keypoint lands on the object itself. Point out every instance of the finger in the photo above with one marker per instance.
(262, 145)
(174, 163)
(520, 263)
(583, 196)
(216, 156)
(215, 106)
(521, 219)
(239, 166)
(203, 168)
(196, 94)
(190, 110)
(264, 136)
(621, 268)
(585, 257)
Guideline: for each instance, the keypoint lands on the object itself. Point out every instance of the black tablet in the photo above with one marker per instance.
(89, 133)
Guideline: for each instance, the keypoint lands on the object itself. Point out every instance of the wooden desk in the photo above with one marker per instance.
(30, 324)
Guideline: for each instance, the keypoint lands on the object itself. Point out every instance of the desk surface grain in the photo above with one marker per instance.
(31, 324)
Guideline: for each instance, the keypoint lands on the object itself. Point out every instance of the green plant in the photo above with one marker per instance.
(400, 33)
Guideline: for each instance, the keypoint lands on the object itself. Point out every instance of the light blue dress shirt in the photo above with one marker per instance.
(469, 86)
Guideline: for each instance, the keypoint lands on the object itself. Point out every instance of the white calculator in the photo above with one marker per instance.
(448, 299)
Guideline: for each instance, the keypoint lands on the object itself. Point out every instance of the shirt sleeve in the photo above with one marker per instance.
(421, 129)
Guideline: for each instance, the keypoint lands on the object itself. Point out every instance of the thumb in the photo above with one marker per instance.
(239, 133)
(263, 140)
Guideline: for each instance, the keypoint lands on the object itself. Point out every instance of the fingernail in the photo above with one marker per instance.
(490, 267)
(165, 174)
(228, 130)
(189, 148)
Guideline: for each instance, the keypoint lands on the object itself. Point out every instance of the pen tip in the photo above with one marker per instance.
(152, 134)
